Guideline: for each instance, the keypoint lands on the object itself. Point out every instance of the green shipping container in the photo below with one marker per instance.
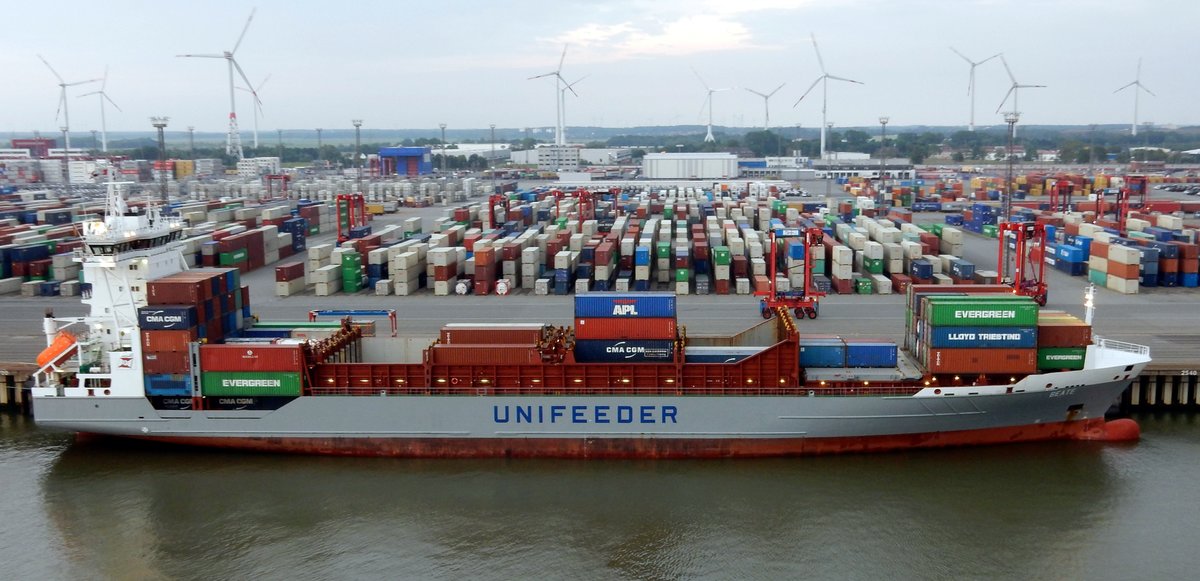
(721, 255)
(249, 383)
(864, 286)
(669, 213)
(232, 258)
(1056, 358)
(1097, 277)
(314, 229)
(980, 310)
(683, 274)
(936, 229)
(351, 259)
(662, 250)
(990, 231)
(873, 265)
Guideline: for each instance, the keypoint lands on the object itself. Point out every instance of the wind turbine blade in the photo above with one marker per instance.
(104, 83)
(111, 102)
(567, 87)
(704, 105)
(988, 59)
(1123, 87)
(577, 81)
(963, 56)
(817, 49)
(1031, 86)
(81, 82)
(772, 93)
(551, 74)
(844, 79)
(61, 97)
(1008, 70)
(722, 90)
(1139, 70)
(201, 56)
(971, 80)
(810, 88)
(89, 94)
(702, 82)
(1006, 95)
(757, 93)
(244, 78)
(1143, 87)
(243, 34)
(264, 82)
(562, 59)
(56, 75)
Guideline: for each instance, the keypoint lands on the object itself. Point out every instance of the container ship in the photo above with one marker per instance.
(171, 354)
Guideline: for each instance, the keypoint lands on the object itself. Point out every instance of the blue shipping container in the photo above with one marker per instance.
(962, 268)
(167, 317)
(169, 385)
(983, 337)
(656, 305)
(624, 351)
(870, 354)
(822, 353)
(921, 268)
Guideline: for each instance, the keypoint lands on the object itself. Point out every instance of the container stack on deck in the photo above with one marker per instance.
(616, 328)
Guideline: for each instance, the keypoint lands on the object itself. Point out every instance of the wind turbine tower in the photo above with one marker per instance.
(62, 107)
(766, 97)
(562, 104)
(1137, 85)
(233, 141)
(708, 101)
(103, 122)
(971, 82)
(824, 80)
(257, 106)
(1014, 90)
(558, 83)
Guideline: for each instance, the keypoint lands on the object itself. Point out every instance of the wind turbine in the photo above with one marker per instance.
(102, 98)
(708, 101)
(562, 99)
(971, 82)
(1015, 89)
(257, 106)
(62, 105)
(1136, 84)
(766, 105)
(558, 82)
(824, 80)
(233, 141)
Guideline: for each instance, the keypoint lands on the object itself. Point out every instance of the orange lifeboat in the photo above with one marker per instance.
(62, 344)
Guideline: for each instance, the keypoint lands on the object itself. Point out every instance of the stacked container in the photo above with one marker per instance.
(977, 334)
(187, 307)
(1062, 341)
(251, 370)
(621, 328)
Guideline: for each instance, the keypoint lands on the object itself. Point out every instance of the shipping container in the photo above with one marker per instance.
(1063, 331)
(492, 334)
(257, 358)
(289, 272)
(719, 354)
(624, 351)
(173, 340)
(980, 311)
(485, 355)
(250, 383)
(822, 353)
(981, 361)
(1059, 358)
(167, 317)
(870, 353)
(168, 385)
(620, 328)
(166, 362)
(656, 305)
(982, 337)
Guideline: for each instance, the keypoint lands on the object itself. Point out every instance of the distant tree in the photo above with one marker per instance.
(764, 143)
(958, 157)
(637, 154)
(1031, 153)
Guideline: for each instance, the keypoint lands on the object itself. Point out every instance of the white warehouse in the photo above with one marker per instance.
(695, 166)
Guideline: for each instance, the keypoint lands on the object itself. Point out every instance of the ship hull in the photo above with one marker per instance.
(593, 426)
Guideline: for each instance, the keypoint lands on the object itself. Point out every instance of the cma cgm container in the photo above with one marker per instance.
(623, 351)
(167, 317)
(653, 305)
(981, 310)
(251, 358)
(983, 337)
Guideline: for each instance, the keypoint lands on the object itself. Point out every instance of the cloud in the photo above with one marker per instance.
(693, 34)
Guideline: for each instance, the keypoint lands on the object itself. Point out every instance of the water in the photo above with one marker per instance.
(1042, 511)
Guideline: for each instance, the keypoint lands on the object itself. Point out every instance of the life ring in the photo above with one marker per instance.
(453, 381)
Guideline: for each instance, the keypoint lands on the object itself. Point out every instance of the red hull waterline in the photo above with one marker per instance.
(661, 448)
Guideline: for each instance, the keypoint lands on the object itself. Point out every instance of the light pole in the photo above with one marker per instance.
(1091, 150)
(192, 140)
(443, 147)
(320, 157)
(492, 159)
(95, 144)
(1146, 150)
(1006, 201)
(828, 160)
(883, 121)
(160, 123)
(66, 158)
(279, 137)
(357, 145)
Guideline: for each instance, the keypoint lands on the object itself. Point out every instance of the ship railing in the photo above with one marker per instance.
(1133, 348)
(598, 391)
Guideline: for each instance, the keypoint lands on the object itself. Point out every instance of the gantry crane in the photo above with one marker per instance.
(805, 301)
(1029, 274)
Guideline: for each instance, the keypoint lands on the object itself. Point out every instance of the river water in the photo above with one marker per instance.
(102, 510)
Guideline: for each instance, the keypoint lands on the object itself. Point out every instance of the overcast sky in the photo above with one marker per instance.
(402, 64)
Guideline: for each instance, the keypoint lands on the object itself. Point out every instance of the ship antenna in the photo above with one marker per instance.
(1089, 303)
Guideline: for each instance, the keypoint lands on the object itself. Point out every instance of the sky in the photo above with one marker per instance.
(402, 64)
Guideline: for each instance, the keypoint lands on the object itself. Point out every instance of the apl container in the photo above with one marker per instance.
(661, 305)
(624, 328)
(624, 351)
(983, 337)
(249, 383)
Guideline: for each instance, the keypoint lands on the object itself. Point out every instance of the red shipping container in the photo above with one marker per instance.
(722, 286)
(485, 355)
(176, 292)
(1063, 333)
(842, 286)
(244, 357)
(900, 283)
(1125, 271)
(762, 284)
(485, 256)
(625, 328)
(289, 272)
(172, 340)
(467, 334)
(979, 361)
(445, 272)
(1098, 249)
(164, 362)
